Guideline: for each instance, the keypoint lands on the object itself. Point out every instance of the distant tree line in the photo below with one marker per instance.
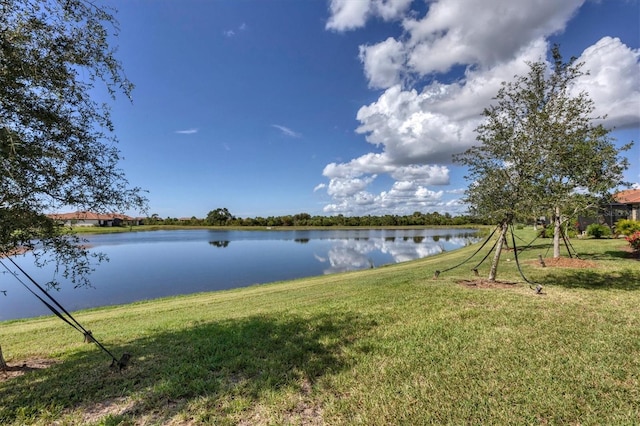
(222, 217)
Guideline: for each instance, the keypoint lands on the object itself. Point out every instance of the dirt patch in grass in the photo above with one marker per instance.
(99, 410)
(306, 412)
(566, 262)
(303, 411)
(24, 367)
(483, 283)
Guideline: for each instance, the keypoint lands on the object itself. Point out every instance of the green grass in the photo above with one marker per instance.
(384, 346)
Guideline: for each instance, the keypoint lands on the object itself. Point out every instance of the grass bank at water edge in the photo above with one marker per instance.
(383, 346)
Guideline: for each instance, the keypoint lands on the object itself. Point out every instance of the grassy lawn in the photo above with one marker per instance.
(384, 346)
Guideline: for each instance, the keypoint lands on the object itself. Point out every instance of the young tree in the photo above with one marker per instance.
(57, 147)
(539, 148)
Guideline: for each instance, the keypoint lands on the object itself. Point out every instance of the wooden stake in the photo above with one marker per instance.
(3, 363)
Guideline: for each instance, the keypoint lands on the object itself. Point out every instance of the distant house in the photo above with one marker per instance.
(631, 199)
(85, 218)
(625, 205)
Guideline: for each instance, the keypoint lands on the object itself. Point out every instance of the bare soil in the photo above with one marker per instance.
(24, 367)
(561, 262)
(566, 262)
(484, 283)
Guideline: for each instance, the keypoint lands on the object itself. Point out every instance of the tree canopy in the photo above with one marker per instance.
(541, 150)
(57, 142)
(219, 216)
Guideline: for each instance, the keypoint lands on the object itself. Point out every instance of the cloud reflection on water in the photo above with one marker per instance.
(353, 254)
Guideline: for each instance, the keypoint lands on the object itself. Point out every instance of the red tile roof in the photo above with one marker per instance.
(84, 215)
(630, 196)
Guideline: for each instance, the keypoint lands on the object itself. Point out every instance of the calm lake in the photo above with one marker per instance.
(152, 264)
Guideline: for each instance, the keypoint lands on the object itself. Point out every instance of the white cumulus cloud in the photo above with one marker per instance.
(483, 33)
(352, 14)
(422, 117)
(383, 63)
(463, 32)
(613, 82)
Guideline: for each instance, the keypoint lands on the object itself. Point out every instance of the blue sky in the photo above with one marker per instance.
(347, 107)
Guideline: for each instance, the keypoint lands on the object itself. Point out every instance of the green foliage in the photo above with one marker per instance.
(218, 217)
(627, 227)
(222, 217)
(57, 147)
(597, 230)
(548, 231)
(538, 144)
(545, 232)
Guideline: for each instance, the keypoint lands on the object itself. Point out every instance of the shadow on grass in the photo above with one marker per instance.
(594, 279)
(621, 254)
(241, 360)
(607, 255)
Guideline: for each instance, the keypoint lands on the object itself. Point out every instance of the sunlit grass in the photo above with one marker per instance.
(384, 346)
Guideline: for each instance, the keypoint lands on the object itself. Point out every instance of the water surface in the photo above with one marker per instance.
(152, 264)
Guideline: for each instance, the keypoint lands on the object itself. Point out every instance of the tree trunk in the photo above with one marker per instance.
(505, 242)
(496, 257)
(3, 363)
(556, 233)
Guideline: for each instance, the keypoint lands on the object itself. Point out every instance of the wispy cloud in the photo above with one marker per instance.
(186, 131)
(287, 131)
(233, 33)
(456, 191)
